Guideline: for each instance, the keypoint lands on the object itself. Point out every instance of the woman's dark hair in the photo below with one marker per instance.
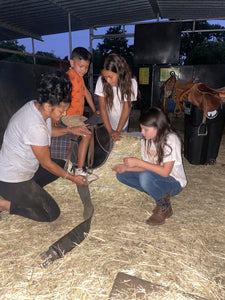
(156, 118)
(54, 89)
(117, 64)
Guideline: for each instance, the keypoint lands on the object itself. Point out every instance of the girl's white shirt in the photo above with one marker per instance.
(115, 113)
(171, 154)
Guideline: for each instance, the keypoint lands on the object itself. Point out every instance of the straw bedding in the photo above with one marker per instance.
(186, 254)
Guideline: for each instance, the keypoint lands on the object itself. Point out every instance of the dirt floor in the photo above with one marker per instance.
(186, 254)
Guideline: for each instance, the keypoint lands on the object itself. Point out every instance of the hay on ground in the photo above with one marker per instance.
(186, 254)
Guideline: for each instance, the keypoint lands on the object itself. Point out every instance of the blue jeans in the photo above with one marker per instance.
(151, 183)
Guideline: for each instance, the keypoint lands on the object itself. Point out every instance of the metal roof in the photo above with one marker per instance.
(31, 18)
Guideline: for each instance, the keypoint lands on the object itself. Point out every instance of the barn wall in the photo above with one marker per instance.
(18, 85)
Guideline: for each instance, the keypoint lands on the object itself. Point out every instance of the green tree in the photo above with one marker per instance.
(209, 52)
(45, 60)
(12, 57)
(97, 58)
(193, 44)
(117, 45)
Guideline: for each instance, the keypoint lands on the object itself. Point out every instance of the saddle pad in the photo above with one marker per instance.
(60, 147)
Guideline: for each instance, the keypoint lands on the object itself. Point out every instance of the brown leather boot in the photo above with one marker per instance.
(162, 211)
(158, 217)
(154, 209)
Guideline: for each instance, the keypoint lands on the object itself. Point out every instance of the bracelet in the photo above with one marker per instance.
(66, 175)
(74, 177)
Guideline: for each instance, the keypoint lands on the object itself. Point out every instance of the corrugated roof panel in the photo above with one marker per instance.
(103, 13)
(192, 9)
(35, 16)
(20, 18)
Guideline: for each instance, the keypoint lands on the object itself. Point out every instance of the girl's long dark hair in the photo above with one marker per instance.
(117, 64)
(156, 118)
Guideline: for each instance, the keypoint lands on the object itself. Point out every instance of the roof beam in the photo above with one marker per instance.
(155, 7)
(171, 21)
(116, 35)
(31, 54)
(19, 30)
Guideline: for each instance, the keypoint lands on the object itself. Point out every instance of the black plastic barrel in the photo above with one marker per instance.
(202, 141)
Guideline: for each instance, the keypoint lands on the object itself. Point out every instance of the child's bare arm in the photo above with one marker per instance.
(124, 116)
(121, 168)
(90, 101)
(104, 114)
(163, 170)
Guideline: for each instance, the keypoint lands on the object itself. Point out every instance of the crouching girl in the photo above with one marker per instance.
(160, 172)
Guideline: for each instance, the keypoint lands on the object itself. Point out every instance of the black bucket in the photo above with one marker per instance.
(202, 148)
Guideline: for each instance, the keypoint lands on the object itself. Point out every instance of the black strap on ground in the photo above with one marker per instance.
(74, 237)
(101, 146)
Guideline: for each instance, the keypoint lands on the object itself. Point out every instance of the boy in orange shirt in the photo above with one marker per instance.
(79, 62)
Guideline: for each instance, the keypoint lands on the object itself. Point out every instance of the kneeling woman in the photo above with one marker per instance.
(160, 172)
(26, 144)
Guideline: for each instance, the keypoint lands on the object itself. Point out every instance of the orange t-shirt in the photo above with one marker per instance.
(77, 94)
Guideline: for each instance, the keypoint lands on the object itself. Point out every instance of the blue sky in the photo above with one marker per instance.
(59, 43)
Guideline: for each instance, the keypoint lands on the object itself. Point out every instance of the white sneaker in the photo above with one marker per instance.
(82, 172)
(92, 177)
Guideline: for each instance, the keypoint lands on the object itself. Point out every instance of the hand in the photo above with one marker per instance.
(131, 162)
(115, 135)
(97, 112)
(81, 180)
(79, 130)
(55, 123)
(120, 168)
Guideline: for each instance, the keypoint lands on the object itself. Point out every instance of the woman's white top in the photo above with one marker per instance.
(26, 127)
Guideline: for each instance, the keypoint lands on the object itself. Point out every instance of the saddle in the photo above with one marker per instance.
(204, 97)
(65, 147)
(173, 88)
(181, 87)
(100, 144)
(99, 148)
(167, 93)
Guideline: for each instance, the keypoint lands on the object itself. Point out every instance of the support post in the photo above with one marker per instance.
(70, 35)
(91, 64)
(33, 51)
(152, 85)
